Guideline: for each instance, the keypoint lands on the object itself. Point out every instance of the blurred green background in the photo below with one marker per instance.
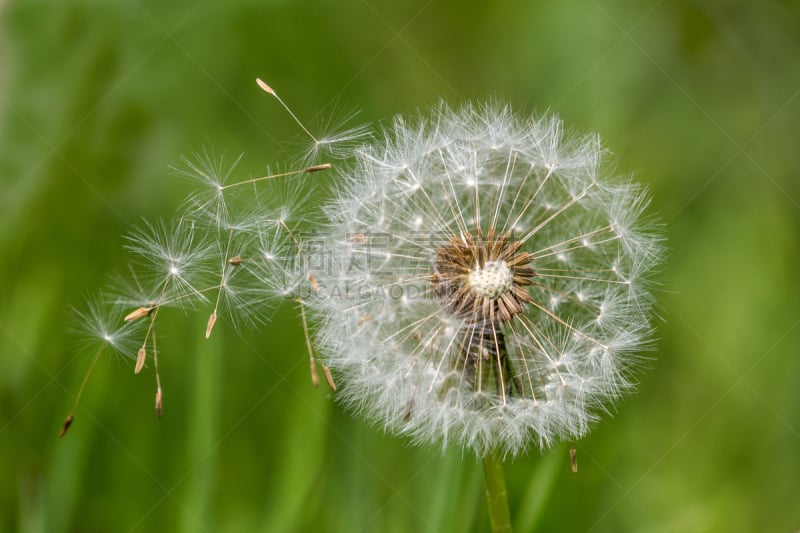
(698, 99)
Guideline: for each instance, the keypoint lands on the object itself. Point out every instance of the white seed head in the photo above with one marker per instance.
(473, 287)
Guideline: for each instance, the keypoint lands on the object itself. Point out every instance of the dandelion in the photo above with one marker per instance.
(475, 279)
(487, 282)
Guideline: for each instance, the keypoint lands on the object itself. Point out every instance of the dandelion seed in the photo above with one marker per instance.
(329, 377)
(211, 321)
(312, 279)
(102, 328)
(138, 313)
(65, 427)
(317, 168)
(159, 393)
(573, 458)
(141, 356)
(269, 90)
(159, 403)
(338, 144)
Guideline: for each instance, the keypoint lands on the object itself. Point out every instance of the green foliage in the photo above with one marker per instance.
(97, 99)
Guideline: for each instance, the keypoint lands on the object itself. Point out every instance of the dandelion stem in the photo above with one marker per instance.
(213, 318)
(269, 90)
(71, 417)
(307, 170)
(311, 362)
(496, 493)
(140, 358)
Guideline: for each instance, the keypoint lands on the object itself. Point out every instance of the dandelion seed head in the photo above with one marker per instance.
(477, 278)
(486, 284)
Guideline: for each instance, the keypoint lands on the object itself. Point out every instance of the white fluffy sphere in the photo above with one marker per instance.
(481, 282)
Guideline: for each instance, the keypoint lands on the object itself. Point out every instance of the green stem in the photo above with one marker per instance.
(496, 493)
